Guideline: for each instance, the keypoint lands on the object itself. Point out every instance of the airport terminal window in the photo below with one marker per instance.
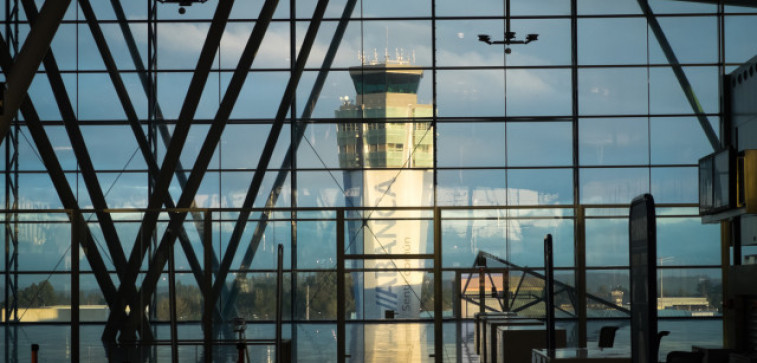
(548, 137)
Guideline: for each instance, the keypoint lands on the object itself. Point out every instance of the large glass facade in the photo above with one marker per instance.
(162, 156)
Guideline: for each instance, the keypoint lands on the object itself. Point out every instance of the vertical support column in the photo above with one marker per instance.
(11, 204)
(340, 288)
(457, 313)
(729, 316)
(76, 235)
(293, 171)
(279, 301)
(481, 288)
(207, 314)
(580, 273)
(172, 305)
(549, 294)
(152, 47)
(438, 328)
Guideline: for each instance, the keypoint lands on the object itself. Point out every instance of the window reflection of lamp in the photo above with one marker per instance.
(662, 260)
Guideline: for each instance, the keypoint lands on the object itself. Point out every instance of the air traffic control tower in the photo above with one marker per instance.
(386, 144)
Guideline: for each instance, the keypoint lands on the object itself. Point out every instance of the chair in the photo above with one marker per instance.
(607, 336)
(684, 357)
(660, 334)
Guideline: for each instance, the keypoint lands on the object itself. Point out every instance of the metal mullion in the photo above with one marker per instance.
(206, 152)
(393, 256)
(29, 59)
(76, 223)
(270, 144)
(80, 150)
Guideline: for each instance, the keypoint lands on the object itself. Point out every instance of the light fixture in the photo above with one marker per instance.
(182, 3)
(509, 35)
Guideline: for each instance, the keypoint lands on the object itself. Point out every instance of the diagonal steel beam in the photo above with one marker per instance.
(273, 196)
(173, 152)
(680, 74)
(80, 150)
(131, 44)
(139, 134)
(28, 60)
(203, 159)
(165, 134)
(270, 144)
(55, 171)
(186, 116)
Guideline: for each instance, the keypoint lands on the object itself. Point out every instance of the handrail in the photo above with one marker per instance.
(479, 262)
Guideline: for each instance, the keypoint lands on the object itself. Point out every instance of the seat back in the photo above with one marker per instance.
(607, 336)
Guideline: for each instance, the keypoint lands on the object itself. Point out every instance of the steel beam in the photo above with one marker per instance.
(680, 74)
(273, 196)
(158, 261)
(186, 116)
(173, 152)
(165, 134)
(141, 138)
(744, 3)
(28, 60)
(80, 150)
(270, 144)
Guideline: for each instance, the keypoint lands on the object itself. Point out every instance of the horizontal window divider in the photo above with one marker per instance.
(144, 20)
(439, 120)
(418, 269)
(389, 256)
(567, 66)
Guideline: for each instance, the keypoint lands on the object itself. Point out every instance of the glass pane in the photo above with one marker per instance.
(628, 44)
(687, 147)
(613, 141)
(606, 242)
(539, 144)
(702, 242)
(459, 144)
(538, 92)
(471, 93)
(539, 187)
(616, 91)
(613, 186)
(471, 187)
(675, 185)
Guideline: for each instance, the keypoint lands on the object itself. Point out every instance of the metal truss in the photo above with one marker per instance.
(148, 78)
(203, 159)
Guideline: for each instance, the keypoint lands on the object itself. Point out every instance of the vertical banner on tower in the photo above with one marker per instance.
(385, 287)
